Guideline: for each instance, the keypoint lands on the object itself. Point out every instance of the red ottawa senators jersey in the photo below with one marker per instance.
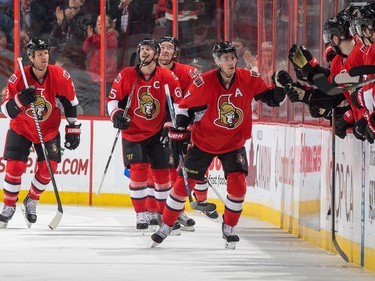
(227, 123)
(369, 59)
(148, 107)
(57, 82)
(342, 64)
(185, 74)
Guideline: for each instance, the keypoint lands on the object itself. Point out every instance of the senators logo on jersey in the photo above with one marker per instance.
(42, 108)
(148, 107)
(230, 117)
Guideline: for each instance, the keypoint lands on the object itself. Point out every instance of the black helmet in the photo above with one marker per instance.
(366, 18)
(339, 26)
(172, 40)
(36, 44)
(150, 42)
(223, 48)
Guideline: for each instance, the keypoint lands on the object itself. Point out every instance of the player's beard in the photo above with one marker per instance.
(164, 60)
(43, 66)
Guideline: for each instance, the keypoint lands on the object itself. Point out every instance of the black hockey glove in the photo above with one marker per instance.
(120, 121)
(317, 112)
(343, 123)
(178, 141)
(282, 78)
(297, 92)
(302, 59)
(25, 97)
(164, 133)
(72, 136)
(370, 128)
(278, 77)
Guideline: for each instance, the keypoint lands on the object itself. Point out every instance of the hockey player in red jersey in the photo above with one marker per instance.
(365, 99)
(47, 83)
(349, 53)
(169, 52)
(222, 131)
(141, 120)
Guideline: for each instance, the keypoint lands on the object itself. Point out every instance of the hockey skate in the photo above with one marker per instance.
(176, 230)
(162, 233)
(6, 215)
(230, 236)
(187, 224)
(142, 222)
(29, 210)
(154, 220)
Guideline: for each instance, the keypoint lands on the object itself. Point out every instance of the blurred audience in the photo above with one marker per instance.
(91, 47)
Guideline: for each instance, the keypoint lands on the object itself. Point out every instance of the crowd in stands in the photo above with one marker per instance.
(72, 30)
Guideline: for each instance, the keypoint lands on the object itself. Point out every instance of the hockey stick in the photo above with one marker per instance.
(345, 78)
(56, 220)
(128, 104)
(362, 70)
(321, 81)
(215, 190)
(334, 241)
(200, 206)
(363, 208)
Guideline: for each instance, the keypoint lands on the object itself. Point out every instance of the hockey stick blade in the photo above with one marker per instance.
(56, 220)
(339, 250)
(204, 207)
(362, 70)
(345, 78)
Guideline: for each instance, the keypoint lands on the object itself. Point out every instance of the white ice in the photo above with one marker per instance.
(102, 244)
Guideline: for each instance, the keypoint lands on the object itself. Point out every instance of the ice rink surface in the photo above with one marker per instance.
(102, 244)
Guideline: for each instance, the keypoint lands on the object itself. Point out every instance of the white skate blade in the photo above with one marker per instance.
(188, 228)
(152, 228)
(230, 245)
(176, 232)
(154, 245)
(3, 224)
(24, 216)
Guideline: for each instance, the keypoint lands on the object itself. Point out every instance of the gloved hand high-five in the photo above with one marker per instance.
(178, 141)
(297, 92)
(72, 136)
(302, 59)
(282, 78)
(120, 121)
(25, 97)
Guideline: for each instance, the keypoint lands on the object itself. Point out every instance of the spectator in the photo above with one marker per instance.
(91, 46)
(245, 58)
(6, 61)
(24, 38)
(187, 23)
(69, 31)
(134, 21)
(6, 24)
